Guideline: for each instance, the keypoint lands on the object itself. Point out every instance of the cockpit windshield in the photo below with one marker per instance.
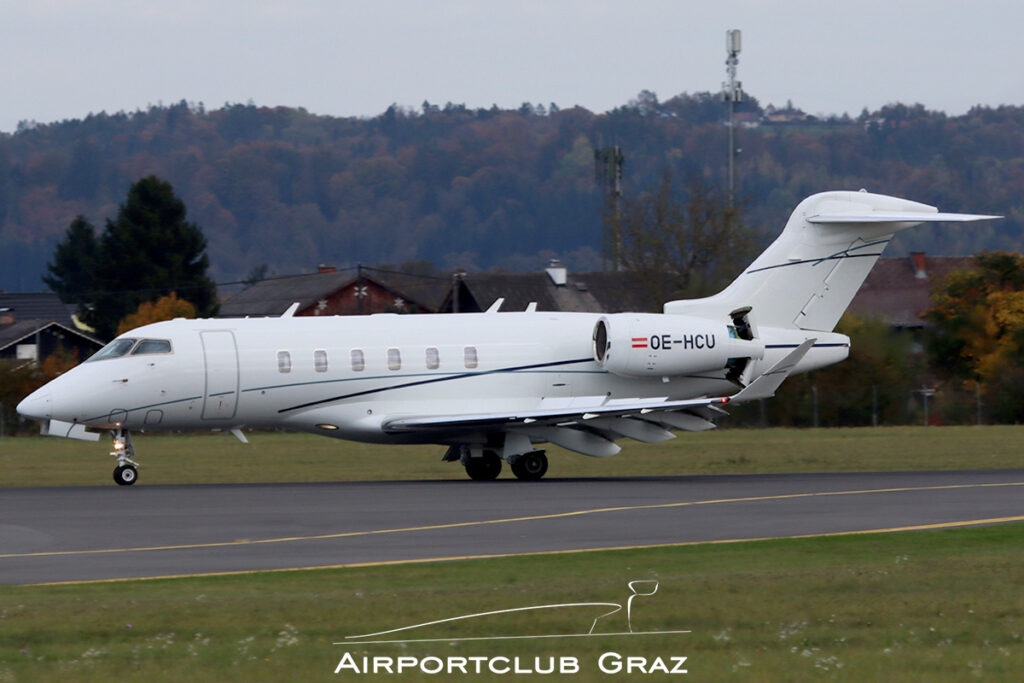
(152, 346)
(122, 347)
(115, 349)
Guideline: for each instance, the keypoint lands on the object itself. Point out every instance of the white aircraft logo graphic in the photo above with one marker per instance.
(648, 588)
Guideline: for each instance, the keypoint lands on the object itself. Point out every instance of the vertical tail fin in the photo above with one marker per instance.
(808, 276)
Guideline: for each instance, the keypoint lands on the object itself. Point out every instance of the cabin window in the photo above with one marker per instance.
(152, 346)
(320, 360)
(284, 361)
(433, 358)
(394, 359)
(115, 349)
(358, 360)
(469, 356)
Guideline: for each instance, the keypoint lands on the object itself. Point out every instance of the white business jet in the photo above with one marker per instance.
(494, 386)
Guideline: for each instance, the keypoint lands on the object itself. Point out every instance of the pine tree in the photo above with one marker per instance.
(148, 251)
(72, 274)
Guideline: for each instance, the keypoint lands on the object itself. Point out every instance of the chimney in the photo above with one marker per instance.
(918, 260)
(326, 269)
(557, 272)
(6, 315)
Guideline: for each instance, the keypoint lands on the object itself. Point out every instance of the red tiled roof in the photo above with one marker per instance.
(894, 293)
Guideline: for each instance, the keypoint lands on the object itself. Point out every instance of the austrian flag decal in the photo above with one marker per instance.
(639, 342)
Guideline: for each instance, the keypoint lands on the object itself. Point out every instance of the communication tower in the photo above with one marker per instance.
(608, 163)
(732, 92)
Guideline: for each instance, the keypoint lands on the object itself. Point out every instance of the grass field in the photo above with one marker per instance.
(281, 457)
(926, 606)
(935, 606)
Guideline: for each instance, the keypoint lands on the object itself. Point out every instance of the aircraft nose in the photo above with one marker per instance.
(37, 405)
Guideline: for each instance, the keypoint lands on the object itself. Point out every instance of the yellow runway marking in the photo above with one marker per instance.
(510, 520)
(494, 556)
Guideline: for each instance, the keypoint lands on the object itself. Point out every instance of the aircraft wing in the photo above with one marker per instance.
(644, 419)
(579, 412)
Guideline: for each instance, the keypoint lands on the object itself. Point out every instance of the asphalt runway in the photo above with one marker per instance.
(100, 533)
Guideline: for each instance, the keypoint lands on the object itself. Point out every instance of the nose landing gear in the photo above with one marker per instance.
(126, 472)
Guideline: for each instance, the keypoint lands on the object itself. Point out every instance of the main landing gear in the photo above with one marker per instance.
(530, 466)
(484, 467)
(486, 464)
(126, 472)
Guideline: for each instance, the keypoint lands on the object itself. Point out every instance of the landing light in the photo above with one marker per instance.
(326, 426)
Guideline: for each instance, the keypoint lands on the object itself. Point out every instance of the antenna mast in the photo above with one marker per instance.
(608, 163)
(732, 92)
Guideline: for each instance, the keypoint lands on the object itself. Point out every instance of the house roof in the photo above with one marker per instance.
(273, 296)
(36, 306)
(596, 291)
(23, 329)
(894, 292)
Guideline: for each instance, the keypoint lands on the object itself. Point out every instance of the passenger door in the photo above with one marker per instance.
(220, 355)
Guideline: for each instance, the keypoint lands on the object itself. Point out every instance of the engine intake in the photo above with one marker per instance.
(658, 345)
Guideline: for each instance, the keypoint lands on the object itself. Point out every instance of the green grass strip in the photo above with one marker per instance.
(936, 605)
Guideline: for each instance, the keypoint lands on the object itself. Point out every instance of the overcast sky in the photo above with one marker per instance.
(66, 58)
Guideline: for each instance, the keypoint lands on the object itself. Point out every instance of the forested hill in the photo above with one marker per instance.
(481, 188)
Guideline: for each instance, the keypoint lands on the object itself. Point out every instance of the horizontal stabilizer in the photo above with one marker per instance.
(897, 217)
(766, 385)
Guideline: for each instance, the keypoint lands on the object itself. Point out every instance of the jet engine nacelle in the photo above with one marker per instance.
(658, 345)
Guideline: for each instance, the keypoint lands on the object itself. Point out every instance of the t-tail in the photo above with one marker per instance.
(807, 277)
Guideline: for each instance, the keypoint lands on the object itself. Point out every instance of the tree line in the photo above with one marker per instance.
(481, 188)
(969, 361)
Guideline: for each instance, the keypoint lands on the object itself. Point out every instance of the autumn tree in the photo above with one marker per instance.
(165, 308)
(977, 332)
(18, 379)
(870, 387)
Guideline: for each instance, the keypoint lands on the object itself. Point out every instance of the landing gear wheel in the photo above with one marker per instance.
(484, 468)
(125, 475)
(127, 471)
(530, 466)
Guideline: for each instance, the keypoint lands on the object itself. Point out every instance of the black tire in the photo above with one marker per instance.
(485, 468)
(530, 466)
(125, 475)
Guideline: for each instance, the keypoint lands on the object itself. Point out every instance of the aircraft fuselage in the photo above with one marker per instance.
(343, 376)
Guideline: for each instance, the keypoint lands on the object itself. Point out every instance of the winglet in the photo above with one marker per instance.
(766, 385)
(290, 313)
